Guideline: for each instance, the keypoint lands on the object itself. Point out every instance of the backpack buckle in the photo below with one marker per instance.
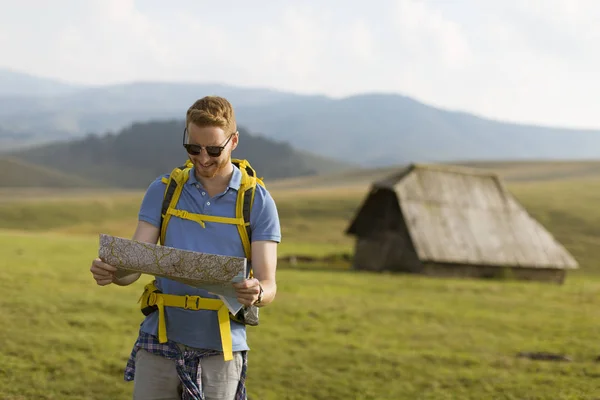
(191, 302)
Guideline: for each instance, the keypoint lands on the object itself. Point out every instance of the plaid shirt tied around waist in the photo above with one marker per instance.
(187, 364)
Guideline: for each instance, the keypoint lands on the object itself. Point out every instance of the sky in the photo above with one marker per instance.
(527, 61)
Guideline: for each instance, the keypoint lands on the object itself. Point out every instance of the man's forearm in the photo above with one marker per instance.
(264, 262)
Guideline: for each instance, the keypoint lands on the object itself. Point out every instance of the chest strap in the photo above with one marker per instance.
(202, 218)
(152, 297)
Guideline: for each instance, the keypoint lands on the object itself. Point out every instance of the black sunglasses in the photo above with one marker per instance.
(212, 151)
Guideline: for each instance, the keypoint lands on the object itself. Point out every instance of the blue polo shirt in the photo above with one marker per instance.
(200, 328)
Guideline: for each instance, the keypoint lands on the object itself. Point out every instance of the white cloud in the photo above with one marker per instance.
(3, 37)
(115, 43)
(297, 40)
(119, 10)
(536, 62)
(519, 60)
(563, 13)
(429, 35)
(285, 53)
(361, 41)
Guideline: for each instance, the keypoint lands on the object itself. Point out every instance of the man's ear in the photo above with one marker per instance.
(235, 140)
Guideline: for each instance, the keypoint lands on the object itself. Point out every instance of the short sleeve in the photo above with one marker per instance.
(264, 218)
(152, 202)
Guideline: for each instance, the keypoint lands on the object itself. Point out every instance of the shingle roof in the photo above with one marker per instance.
(463, 215)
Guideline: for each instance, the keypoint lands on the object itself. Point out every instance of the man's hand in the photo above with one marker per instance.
(247, 291)
(103, 273)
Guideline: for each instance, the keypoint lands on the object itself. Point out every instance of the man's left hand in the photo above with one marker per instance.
(247, 291)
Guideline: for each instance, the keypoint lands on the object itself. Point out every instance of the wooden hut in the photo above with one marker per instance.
(449, 221)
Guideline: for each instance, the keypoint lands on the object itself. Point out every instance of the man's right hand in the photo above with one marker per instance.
(102, 272)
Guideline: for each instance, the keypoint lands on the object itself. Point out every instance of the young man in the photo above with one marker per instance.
(168, 370)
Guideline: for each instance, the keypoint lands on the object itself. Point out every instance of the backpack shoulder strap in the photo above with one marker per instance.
(244, 204)
(174, 182)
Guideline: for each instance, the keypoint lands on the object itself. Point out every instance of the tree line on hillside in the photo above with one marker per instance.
(138, 154)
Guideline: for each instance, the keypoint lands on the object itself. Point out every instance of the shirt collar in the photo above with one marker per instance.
(234, 183)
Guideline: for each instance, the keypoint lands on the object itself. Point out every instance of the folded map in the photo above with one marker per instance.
(212, 272)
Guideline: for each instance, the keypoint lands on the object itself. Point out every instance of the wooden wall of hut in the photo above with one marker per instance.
(383, 241)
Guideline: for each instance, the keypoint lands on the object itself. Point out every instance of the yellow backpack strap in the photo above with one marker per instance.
(175, 183)
(243, 211)
(144, 299)
(244, 204)
(153, 300)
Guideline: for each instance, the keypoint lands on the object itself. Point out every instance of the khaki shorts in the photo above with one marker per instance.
(156, 377)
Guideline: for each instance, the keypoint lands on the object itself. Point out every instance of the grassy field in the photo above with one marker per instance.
(522, 171)
(17, 173)
(332, 333)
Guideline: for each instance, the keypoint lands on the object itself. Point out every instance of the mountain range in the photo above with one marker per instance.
(138, 154)
(369, 130)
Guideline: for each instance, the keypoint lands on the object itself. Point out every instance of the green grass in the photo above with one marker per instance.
(68, 213)
(311, 222)
(568, 209)
(331, 333)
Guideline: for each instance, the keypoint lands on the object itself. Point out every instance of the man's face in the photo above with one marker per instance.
(205, 165)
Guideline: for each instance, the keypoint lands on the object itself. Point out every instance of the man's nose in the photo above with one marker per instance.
(203, 156)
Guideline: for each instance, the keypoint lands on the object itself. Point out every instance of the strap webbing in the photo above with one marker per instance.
(194, 303)
(171, 198)
(248, 198)
(202, 218)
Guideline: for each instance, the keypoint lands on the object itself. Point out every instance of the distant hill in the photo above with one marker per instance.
(509, 171)
(18, 84)
(133, 157)
(18, 173)
(388, 129)
(368, 129)
(110, 108)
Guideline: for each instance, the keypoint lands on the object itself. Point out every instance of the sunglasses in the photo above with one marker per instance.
(212, 151)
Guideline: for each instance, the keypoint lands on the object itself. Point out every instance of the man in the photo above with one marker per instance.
(211, 189)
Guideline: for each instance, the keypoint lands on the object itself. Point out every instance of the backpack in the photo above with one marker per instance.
(248, 315)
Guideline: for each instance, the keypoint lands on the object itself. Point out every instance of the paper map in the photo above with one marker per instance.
(211, 272)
